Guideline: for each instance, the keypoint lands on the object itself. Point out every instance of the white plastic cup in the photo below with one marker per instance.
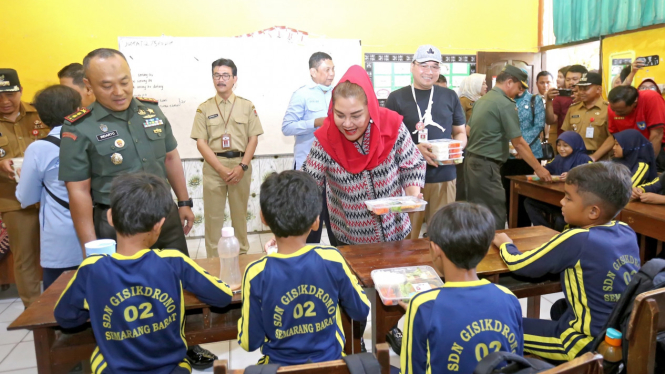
(17, 164)
(102, 247)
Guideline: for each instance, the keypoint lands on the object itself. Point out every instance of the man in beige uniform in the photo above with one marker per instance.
(19, 126)
(589, 117)
(226, 129)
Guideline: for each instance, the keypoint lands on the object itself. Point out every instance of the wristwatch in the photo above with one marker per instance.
(244, 167)
(188, 203)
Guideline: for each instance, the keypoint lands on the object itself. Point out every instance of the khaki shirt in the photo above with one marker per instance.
(100, 144)
(209, 125)
(14, 139)
(467, 106)
(579, 119)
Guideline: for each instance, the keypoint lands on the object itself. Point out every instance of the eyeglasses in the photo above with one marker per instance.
(425, 67)
(224, 76)
(651, 88)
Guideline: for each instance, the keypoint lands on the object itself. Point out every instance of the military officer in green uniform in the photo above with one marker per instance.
(493, 123)
(121, 134)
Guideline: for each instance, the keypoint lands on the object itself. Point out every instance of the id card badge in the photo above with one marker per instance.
(422, 136)
(226, 141)
(589, 132)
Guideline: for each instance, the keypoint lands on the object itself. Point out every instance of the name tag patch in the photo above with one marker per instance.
(152, 122)
(575, 116)
(213, 116)
(107, 135)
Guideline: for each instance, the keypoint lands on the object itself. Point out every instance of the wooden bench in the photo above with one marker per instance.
(328, 367)
(645, 323)
(588, 363)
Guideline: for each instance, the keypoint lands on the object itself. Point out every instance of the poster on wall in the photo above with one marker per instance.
(390, 71)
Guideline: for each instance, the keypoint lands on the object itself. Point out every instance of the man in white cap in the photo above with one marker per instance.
(430, 112)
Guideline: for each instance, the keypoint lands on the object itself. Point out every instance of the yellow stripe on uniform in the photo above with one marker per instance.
(567, 352)
(407, 338)
(185, 365)
(516, 262)
(182, 317)
(429, 367)
(340, 327)
(214, 280)
(334, 256)
(506, 290)
(586, 328)
(648, 183)
(252, 270)
(88, 261)
(639, 174)
(96, 363)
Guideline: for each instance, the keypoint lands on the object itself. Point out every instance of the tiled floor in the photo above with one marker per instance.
(17, 353)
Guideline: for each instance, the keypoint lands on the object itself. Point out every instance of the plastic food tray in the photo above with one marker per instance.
(535, 178)
(399, 204)
(403, 283)
(451, 162)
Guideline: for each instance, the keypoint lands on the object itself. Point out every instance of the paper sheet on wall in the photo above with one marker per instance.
(177, 72)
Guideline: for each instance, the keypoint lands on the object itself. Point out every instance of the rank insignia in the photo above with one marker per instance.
(148, 100)
(77, 115)
(3, 153)
(119, 143)
(116, 159)
(103, 127)
(141, 112)
(151, 111)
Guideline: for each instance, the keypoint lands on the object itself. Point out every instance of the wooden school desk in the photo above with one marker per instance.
(362, 259)
(550, 193)
(58, 352)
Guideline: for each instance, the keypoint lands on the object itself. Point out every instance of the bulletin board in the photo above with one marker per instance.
(389, 71)
(631, 46)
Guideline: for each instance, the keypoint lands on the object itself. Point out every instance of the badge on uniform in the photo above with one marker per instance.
(213, 116)
(3, 153)
(152, 122)
(142, 112)
(157, 131)
(422, 136)
(119, 143)
(107, 135)
(642, 125)
(35, 132)
(589, 132)
(150, 115)
(103, 127)
(116, 159)
(38, 125)
(226, 141)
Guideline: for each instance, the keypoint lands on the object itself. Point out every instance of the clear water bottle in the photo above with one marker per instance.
(228, 249)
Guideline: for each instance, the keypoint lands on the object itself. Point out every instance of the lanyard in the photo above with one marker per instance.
(421, 117)
(226, 121)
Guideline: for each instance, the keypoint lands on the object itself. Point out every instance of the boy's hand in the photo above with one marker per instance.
(501, 238)
(563, 177)
(636, 193)
(404, 305)
(652, 198)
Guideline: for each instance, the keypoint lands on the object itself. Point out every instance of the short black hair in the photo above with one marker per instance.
(316, 58)
(576, 69)
(74, 71)
(225, 62)
(100, 53)
(544, 73)
(627, 94)
(464, 231)
(55, 102)
(290, 202)
(505, 76)
(605, 183)
(442, 79)
(138, 202)
(625, 72)
(564, 70)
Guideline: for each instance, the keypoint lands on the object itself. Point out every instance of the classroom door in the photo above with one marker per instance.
(491, 63)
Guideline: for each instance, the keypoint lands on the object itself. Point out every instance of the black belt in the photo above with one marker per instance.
(230, 154)
(469, 154)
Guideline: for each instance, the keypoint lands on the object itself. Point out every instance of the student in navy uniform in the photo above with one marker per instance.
(635, 151)
(133, 298)
(595, 260)
(571, 152)
(467, 318)
(291, 299)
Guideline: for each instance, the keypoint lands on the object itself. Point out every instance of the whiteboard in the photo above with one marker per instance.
(177, 72)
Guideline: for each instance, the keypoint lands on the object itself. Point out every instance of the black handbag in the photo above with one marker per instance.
(548, 151)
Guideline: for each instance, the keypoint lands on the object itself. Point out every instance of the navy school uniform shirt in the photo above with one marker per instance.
(595, 266)
(450, 329)
(136, 308)
(446, 111)
(290, 305)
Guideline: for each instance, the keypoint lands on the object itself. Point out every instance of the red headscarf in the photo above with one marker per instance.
(383, 133)
(652, 81)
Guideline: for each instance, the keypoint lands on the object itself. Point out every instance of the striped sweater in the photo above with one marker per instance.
(350, 220)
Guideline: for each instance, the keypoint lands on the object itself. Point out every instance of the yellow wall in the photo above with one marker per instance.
(643, 43)
(41, 36)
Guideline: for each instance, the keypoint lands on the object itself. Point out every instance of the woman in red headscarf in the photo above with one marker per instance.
(364, 152)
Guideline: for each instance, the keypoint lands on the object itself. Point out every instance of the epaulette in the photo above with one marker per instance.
(77, 115)
(242, 98)
(147, 100)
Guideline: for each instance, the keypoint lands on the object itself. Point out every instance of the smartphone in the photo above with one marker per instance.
(650, 60)
(565, 92)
